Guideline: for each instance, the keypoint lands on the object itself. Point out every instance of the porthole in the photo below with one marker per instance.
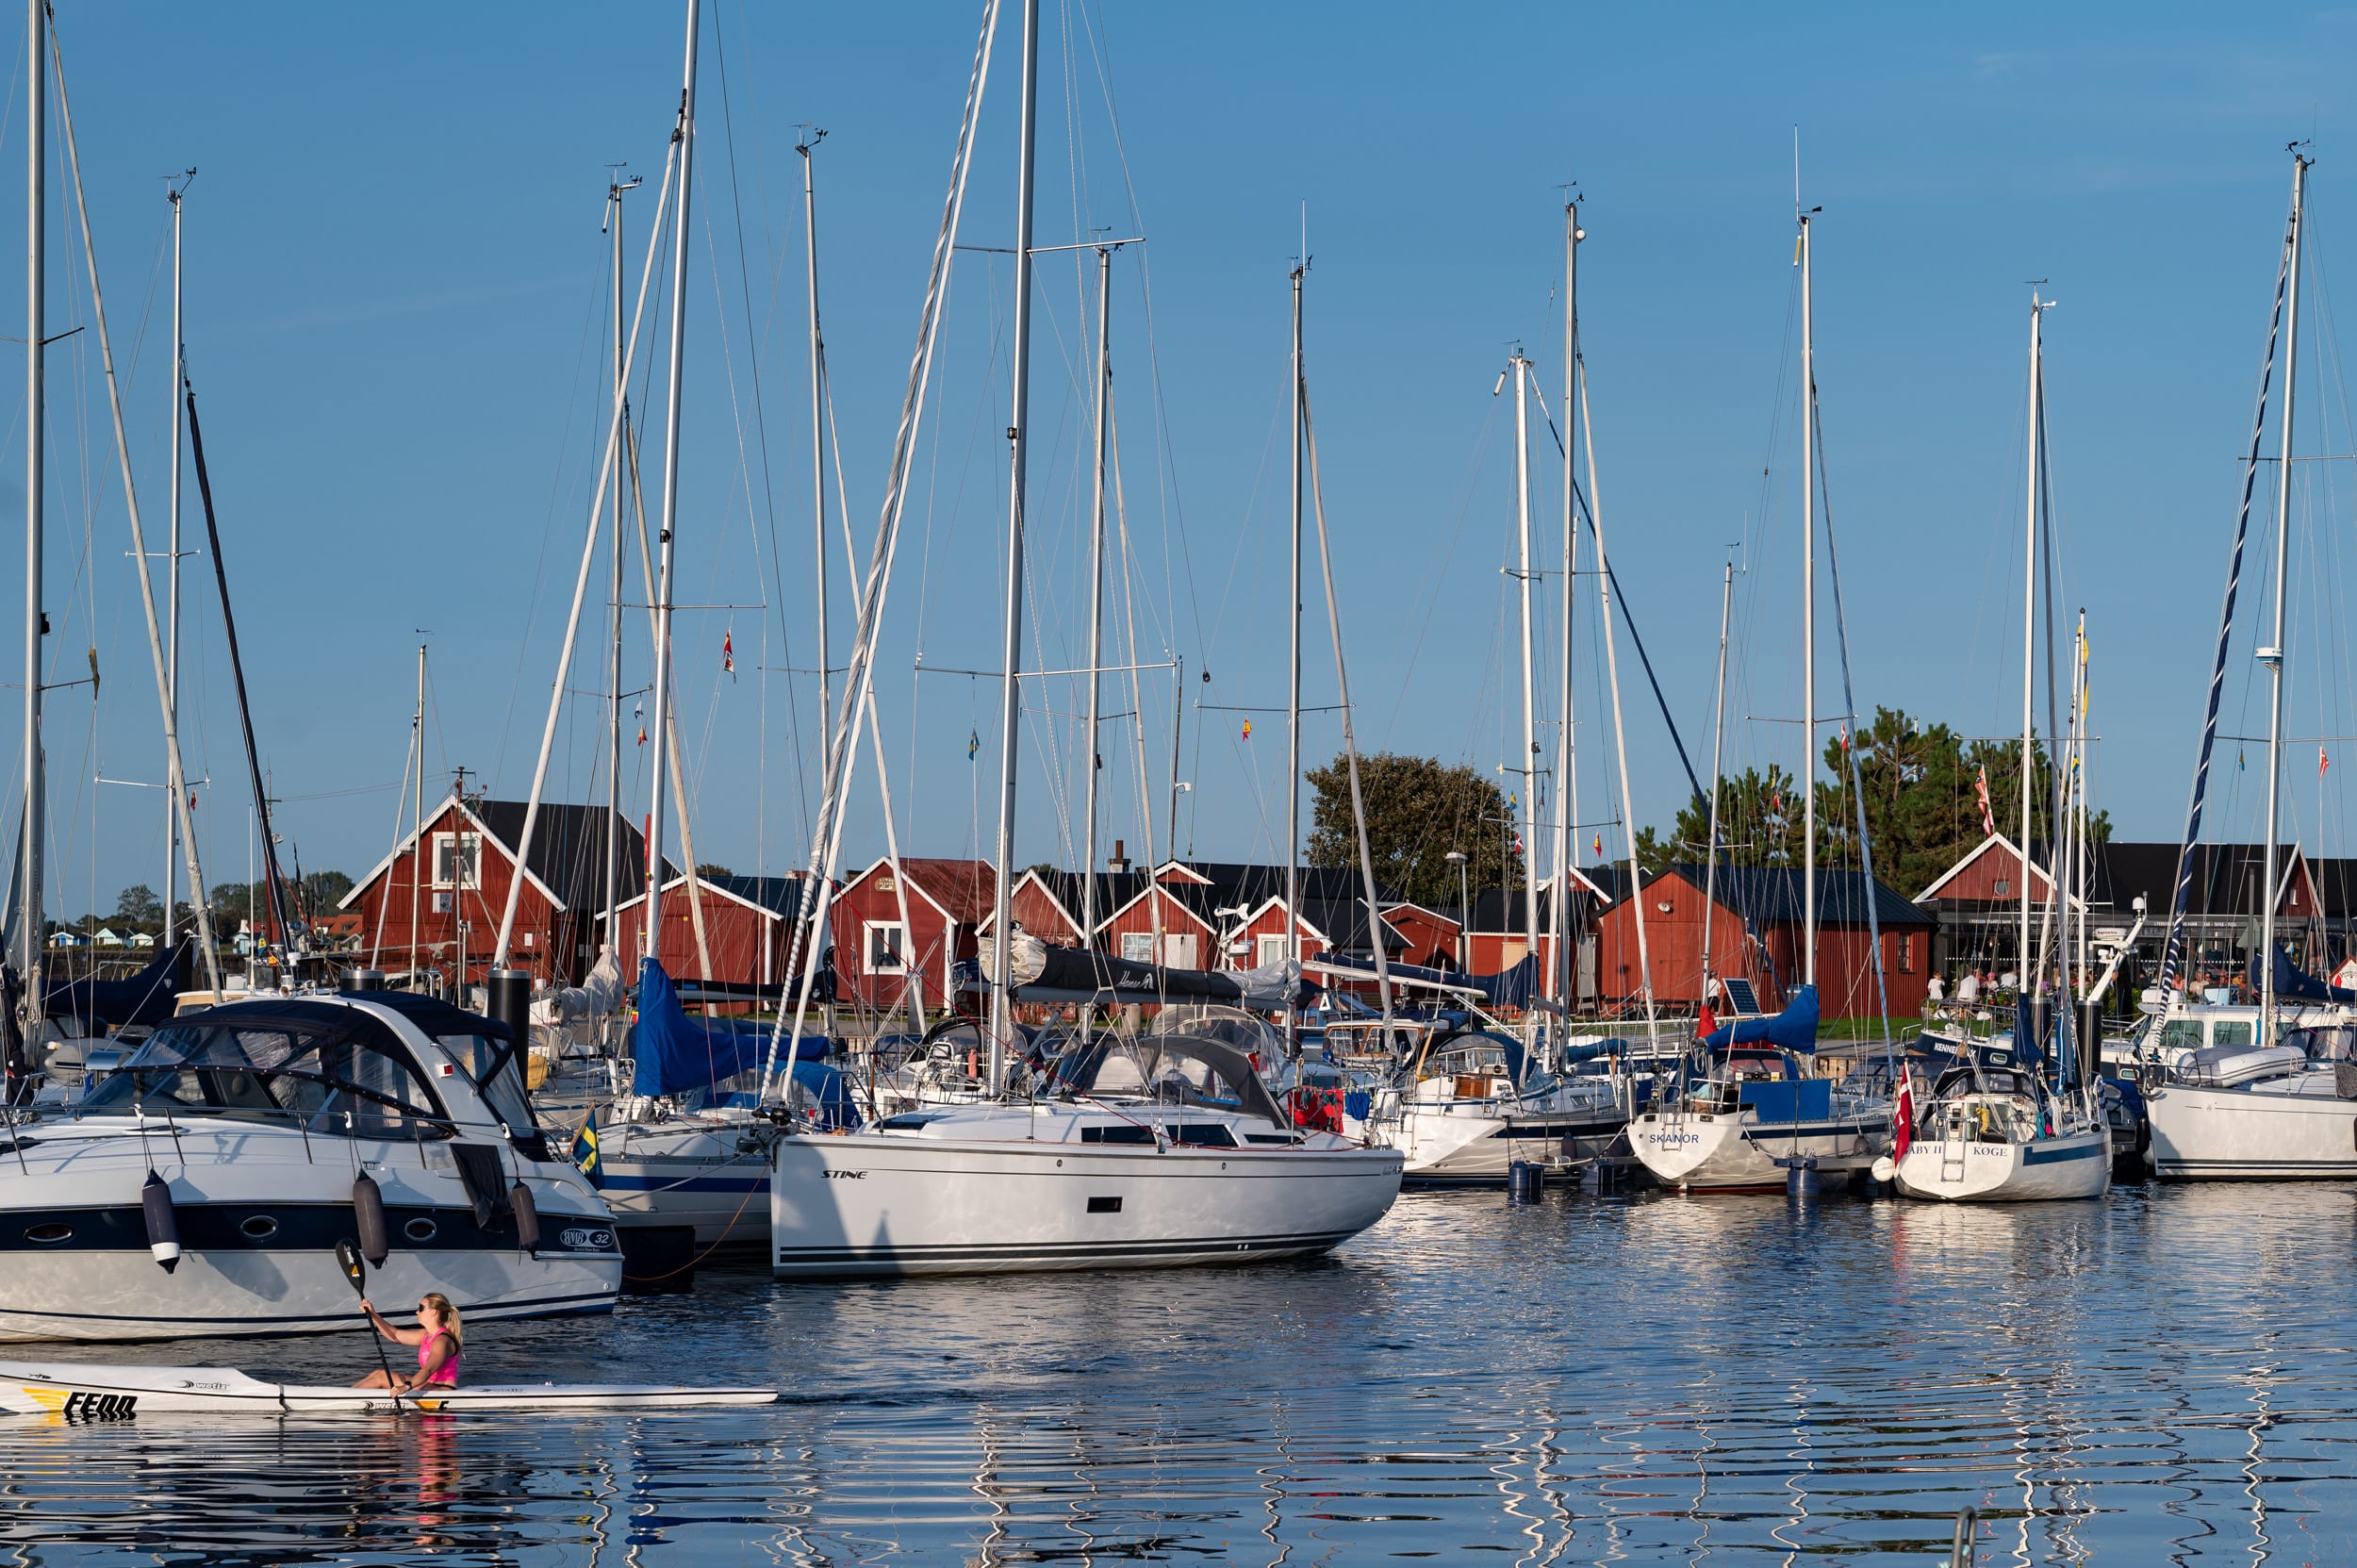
(48, 1236)
(418, 1229)
(261, 1228)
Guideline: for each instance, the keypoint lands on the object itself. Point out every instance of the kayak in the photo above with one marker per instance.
(81, 1391)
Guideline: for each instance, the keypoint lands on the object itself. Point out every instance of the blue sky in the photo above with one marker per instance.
(396, 313)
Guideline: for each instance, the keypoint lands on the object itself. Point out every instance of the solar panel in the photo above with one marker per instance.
(1741, 999)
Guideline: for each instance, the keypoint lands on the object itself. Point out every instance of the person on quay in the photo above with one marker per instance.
(437, 1338)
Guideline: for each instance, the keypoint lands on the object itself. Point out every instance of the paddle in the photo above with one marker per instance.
(348, 1257)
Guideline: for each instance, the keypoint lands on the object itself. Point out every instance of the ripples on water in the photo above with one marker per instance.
(2165, 1375)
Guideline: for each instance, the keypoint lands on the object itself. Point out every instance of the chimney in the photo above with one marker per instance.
(1120, 861)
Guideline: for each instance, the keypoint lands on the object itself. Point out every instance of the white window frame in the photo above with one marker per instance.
(458, 853)
(1137, 946)
(1268, 949)
(898, 964)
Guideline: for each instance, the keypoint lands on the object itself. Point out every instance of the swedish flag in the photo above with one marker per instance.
(585, 1151)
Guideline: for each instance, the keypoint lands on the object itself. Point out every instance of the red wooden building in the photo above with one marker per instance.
(876, 952)
(1756, 933)
(749, 926)
(1433, 939)
(456, 890)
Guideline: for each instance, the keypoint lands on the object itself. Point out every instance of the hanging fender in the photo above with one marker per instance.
(163, 1226)
(368, 1215)
(527, 1212)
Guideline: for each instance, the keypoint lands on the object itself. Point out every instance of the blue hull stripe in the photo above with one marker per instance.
(2050, 1156)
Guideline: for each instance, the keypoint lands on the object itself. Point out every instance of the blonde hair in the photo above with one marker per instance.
(448, 1315)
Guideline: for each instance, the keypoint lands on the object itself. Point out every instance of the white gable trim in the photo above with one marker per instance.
(1151, 890)
(907, 884)
(1996, 840)
(709, 885)
(409, 842)
(982, 927)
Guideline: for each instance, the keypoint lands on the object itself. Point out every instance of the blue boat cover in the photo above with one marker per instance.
(1810, 1099)
(2292, 980)
(1794, 1029)
(146, 998)
(677, 1055)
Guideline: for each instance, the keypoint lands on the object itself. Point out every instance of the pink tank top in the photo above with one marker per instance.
(448, 1376)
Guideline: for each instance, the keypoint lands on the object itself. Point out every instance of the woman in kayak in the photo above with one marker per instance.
(437, 1343)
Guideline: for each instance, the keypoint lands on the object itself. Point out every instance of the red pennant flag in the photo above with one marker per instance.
(1247, 729)
(1904, 1118)
(1980, 792)
(728, 652)
(2324, 763)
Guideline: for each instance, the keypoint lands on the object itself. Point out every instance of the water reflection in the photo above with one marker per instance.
(2163, 1377)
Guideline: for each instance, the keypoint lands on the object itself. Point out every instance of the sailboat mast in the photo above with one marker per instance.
(651, 926)
(1718, 739)
(1562, 972)
(172, 591)
(417, 822)
(1096, 595)
(1010, 696)
(1807, 780)
(2272, 656)
(2028, 644)
(1292, 678)
(29, 933)
(614, 624)
(808, 148)
(1527, 767)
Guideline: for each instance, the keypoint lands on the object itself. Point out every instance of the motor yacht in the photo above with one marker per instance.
(200, 1188)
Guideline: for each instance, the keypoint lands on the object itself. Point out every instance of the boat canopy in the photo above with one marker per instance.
(146, 998)
(333, 1069)
(2293, 981)
(1183, 1069)
(1794, 1029)
(487, 1050)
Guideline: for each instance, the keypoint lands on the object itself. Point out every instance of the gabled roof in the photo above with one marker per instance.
(2040, 879)
(1066, 889)
(774, 898)
(568, 859)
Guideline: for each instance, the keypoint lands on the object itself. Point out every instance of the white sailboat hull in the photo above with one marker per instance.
(2073, 1166)
(704, 1176)
(2251, 1134)
(877, 1204)
(1722, 1152)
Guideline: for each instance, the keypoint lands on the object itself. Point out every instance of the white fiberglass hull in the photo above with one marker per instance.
(880, 1204)
(713, 1177)
(2072, 1165)
(2250, 1134)
(1456, 1146)
(1699, 1151)
(83, 1393)
(259, 1210)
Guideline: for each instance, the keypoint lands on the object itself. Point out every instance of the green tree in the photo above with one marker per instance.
(1418, 810)
(712, 869)
(1919, 784)
(325, 890)
(139, 908)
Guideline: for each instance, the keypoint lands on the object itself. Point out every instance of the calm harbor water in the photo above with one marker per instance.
(2165, 1375)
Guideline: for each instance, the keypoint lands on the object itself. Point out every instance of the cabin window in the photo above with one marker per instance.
(1137, 946)
(2230, 1031)
(886, 946)
(458, 860)
(1271, 950)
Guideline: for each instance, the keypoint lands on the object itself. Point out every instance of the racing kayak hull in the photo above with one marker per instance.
(80, 1391)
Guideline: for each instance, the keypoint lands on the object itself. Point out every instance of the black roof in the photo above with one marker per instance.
(568, 850)
(778, 895)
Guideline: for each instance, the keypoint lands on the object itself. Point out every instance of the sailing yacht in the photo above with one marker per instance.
(1164, 1151)
(1756, 1114)
(2252, 1101)
(1473, 1102)
(1999, 1133)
